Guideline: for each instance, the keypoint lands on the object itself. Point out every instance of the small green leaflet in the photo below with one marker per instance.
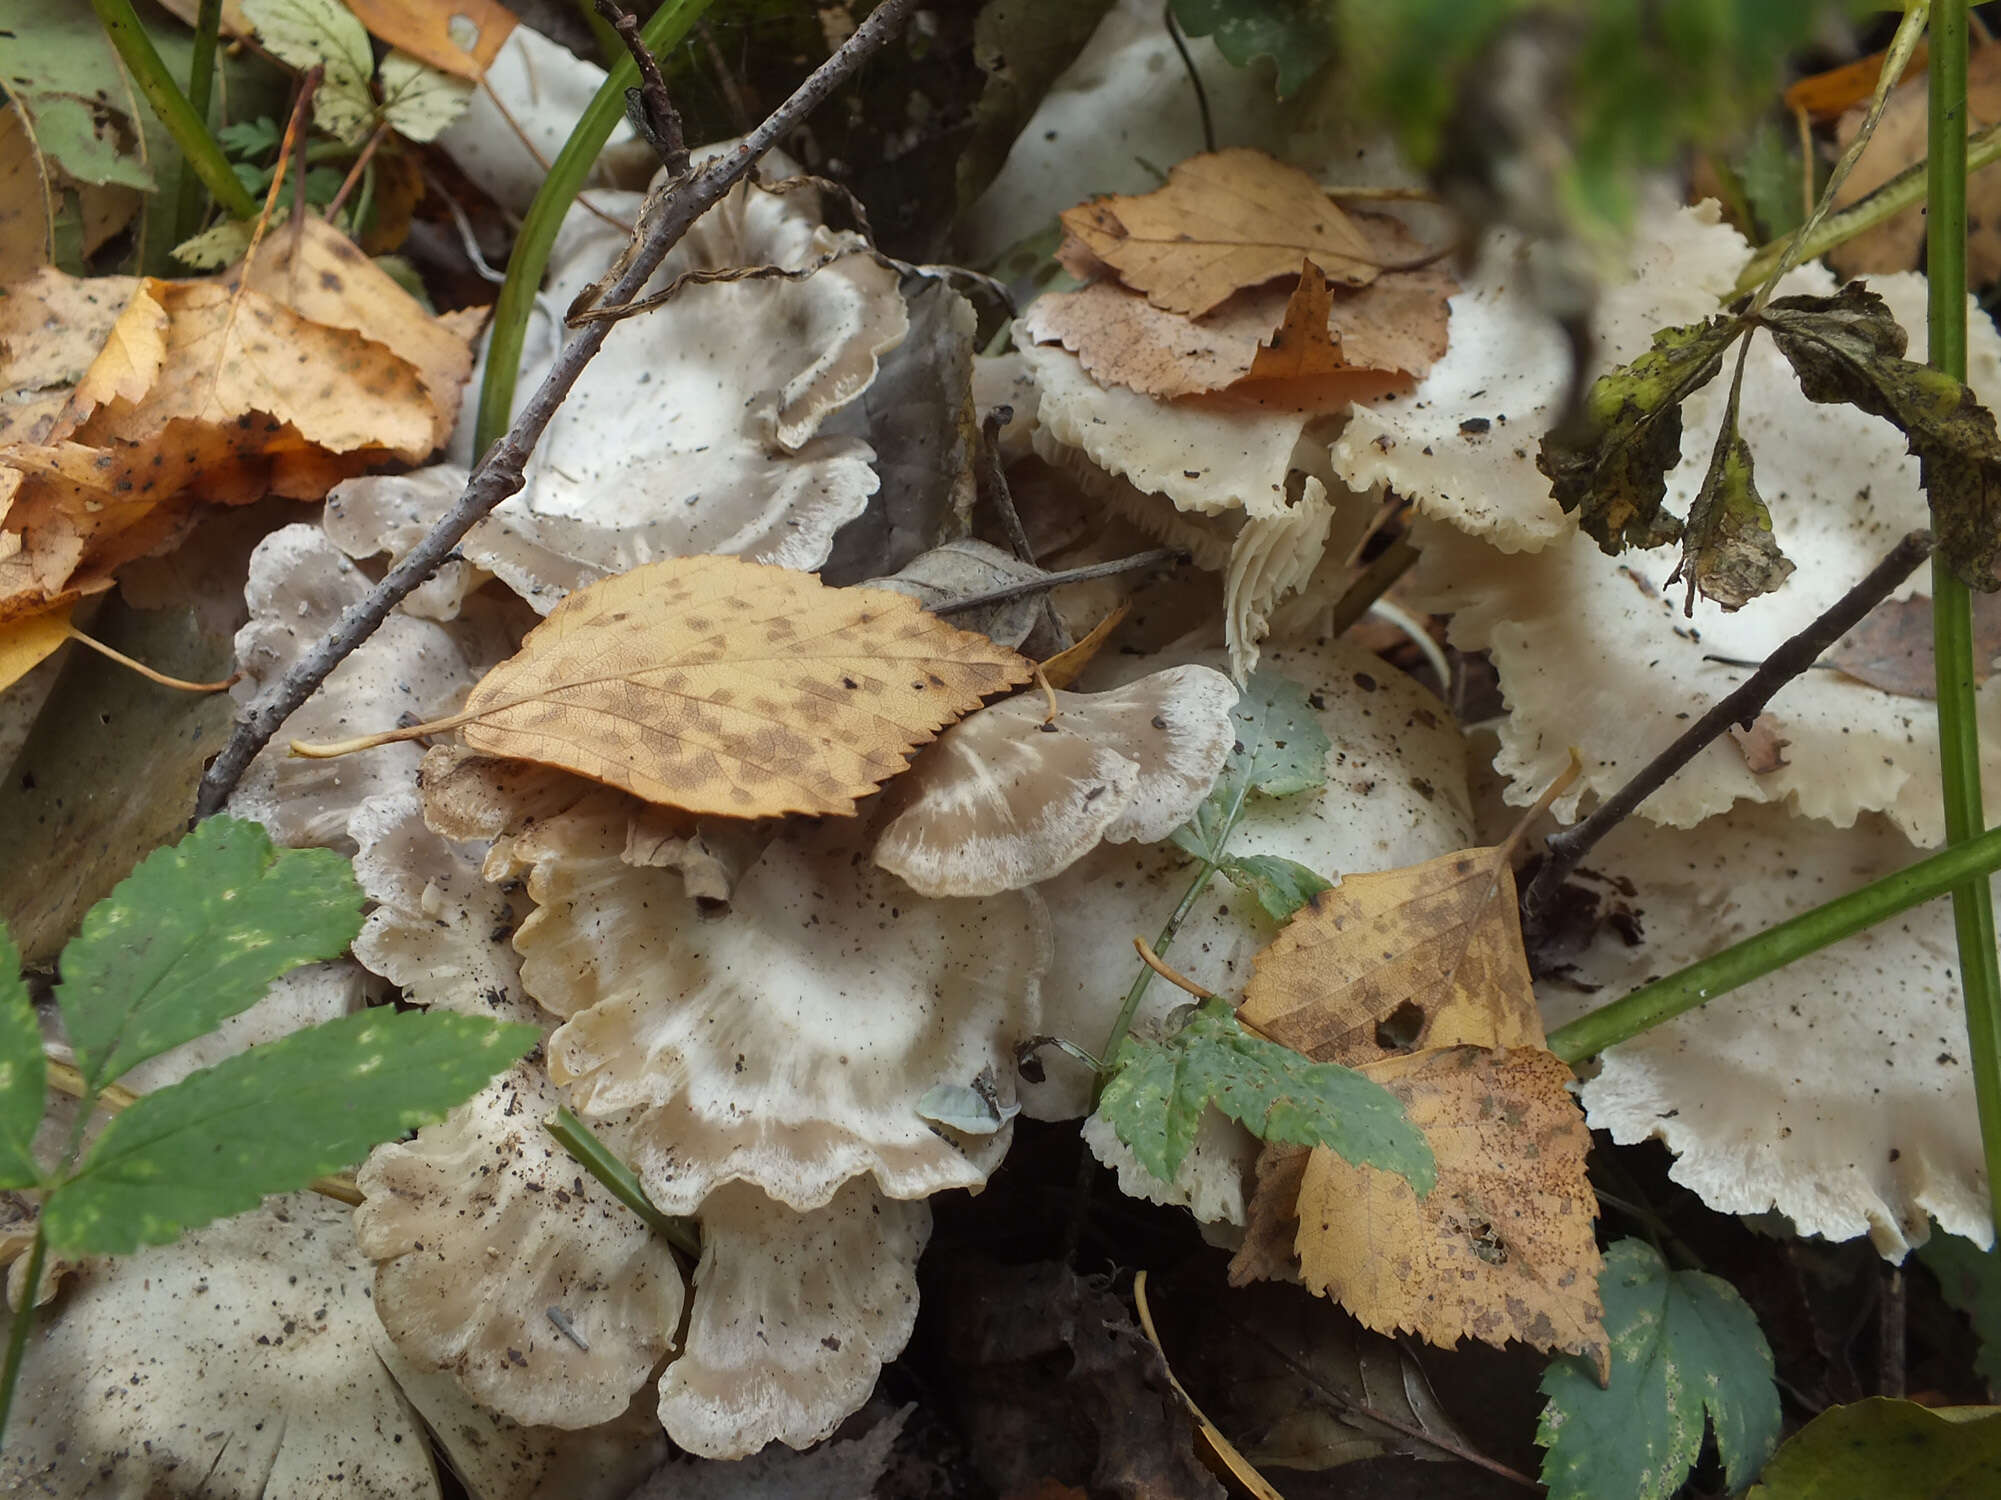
(324, 32)
(1280, 750)
(1281, 885)
(1294, 34)
(1881, 1447)
(1682, 1343)
(248, 138)
(1611, 468)
(194, 935)
(418, 100)
(23, 1072)
(271, 1120)
(1970, 1279)
(1158, 1090)
(1849, 349)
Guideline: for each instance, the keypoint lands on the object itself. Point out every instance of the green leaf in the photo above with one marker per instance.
(1848, 349)
(1612, 466)
(1682, 1343)
(1770, 170)
(1158, 1090)
(270, 1121)
(1970, 1279)
(247, 138)
(56, 63)
(1280, 750)
(1881, 1447)
(306, 32)
(418, 100)
(1294, 34)
(1281, 885)
(23, 1072)
(1729, 552)
(195, 934)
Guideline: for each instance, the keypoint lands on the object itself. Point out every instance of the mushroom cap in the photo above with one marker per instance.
(794, 1317)
(1008, 796)
(482, 1225)
(235, 1361)
(1462, 445)
(1594, 652)
(786, 1042)
(1837, 1090)
(1395, 795)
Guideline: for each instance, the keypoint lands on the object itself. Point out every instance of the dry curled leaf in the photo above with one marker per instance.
(723, 686)
(1224, 221)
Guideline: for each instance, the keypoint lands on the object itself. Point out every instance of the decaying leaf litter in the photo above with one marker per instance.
(821, 895)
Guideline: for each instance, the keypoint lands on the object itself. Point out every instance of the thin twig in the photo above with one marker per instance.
(1157, 558)
(649, 107)
(348, 183)
(1741, 705)
(1172, 975)
(500, 472)
(1194, 78)
(991, 477)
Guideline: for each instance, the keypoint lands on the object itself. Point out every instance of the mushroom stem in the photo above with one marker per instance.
(1739, 706)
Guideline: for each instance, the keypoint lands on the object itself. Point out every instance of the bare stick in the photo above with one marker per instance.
(499, 471)
(1741, 705)
(649, 106)
(1158, 557)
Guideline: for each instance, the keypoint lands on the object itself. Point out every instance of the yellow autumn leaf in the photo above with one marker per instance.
(25, 644)
(1389, 962)
(1503, 1247)
(729, 687)
(1223, 221)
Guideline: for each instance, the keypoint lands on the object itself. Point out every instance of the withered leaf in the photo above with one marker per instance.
(1892, 648)
(1396, 960)
(1611, 465)
(1223, 221)
(1503, 1247)
(723, 686)
(1849, 349)
(1729, 553)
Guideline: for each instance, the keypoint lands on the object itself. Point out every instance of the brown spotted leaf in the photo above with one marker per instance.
(723, 686)
(1503, 1247)
(1224, 221)
(1384, 963)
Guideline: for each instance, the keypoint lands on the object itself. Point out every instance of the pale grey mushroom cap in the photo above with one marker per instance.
(1009, 796)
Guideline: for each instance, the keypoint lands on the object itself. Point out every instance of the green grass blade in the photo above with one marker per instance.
(194, 935)
(1952, 607)
(530, 259)
(188, 205)
(271, 1120)
(189, 130)
(23, 1072)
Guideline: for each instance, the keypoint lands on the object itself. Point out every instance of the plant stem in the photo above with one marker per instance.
(17, 1335)
(1903, 191)
(189, 209)
(1740, 705)
(1810, 931)
(1126, 1011)
(590, 1153)
(1952, 606)
(545, 216)
(189, 130)
(500, 471)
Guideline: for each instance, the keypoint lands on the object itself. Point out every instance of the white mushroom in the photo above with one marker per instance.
(501, 1259)
(235, 1362)
(794, 1317)
(1838, 1090)
(1019, 791)
(787, 1042)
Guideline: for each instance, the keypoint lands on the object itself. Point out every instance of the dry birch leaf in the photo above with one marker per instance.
(1224, 221)
(1391, 962)
(722, 686)
(1503, 1246)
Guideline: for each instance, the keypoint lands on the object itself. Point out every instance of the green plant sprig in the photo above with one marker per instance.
(189, 130)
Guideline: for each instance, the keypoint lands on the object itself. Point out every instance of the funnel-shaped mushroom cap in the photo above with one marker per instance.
(795, 1315)
(486, 1233)
(1010, 796)
(787, 1042)
(234, 1363)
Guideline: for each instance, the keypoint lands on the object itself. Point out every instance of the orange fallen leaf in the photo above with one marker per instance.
(25, 644)
(722, 686)
(1223, 222)
(424, 29)
(1825, 95)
